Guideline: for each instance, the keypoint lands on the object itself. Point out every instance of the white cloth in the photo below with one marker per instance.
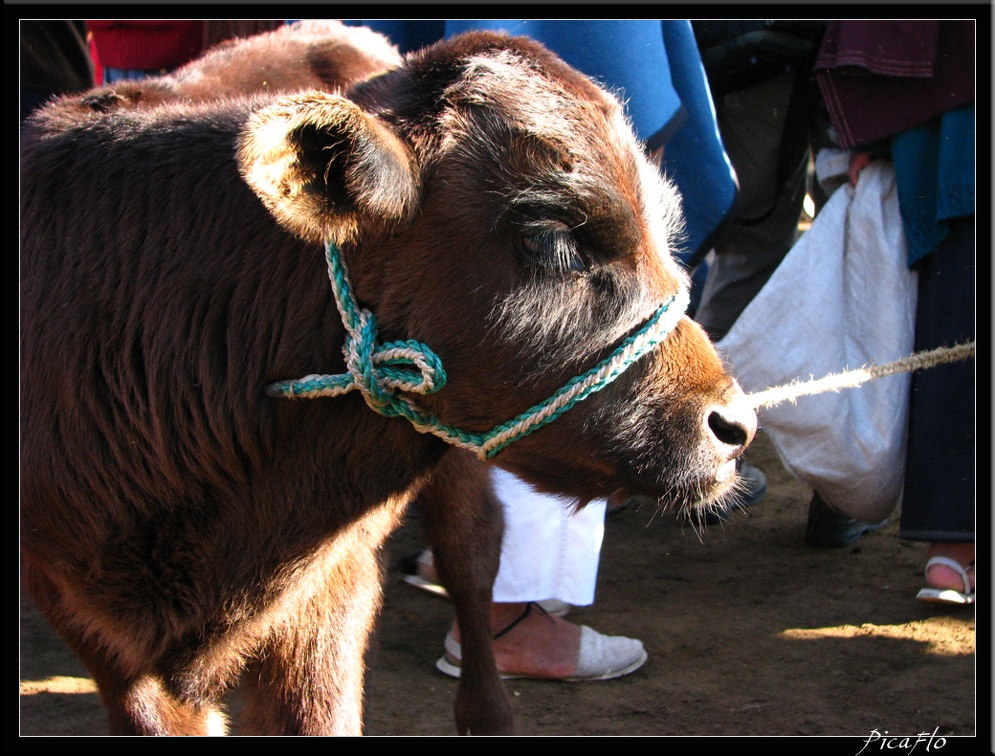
(548, 551)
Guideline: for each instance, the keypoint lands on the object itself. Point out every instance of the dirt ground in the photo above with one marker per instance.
(749, 632)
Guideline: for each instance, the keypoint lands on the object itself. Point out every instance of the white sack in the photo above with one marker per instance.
(842, 298)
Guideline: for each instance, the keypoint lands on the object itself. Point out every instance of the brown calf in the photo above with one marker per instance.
(180, 525)
(461, 517)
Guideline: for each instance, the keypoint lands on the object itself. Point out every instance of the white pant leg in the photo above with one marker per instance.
(547, 551)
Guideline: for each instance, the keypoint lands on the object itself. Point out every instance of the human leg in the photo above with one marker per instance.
(549, 551)
(939, 496)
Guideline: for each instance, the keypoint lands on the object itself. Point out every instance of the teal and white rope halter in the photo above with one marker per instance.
(382, 372)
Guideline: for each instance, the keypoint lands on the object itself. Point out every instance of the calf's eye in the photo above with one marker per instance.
(553, 250)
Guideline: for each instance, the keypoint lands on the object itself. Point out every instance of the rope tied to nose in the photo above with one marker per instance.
(381, 373)
(853, 378)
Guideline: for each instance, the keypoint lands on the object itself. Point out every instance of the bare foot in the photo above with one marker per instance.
(942, 576)
(539, 645)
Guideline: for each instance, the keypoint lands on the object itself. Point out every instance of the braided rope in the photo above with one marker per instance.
(852, 378)
(381, 372)
(579, 388)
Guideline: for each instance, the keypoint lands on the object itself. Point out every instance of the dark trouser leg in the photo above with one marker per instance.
(938, 502)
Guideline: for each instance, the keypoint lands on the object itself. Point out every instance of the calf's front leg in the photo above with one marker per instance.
(463, 522)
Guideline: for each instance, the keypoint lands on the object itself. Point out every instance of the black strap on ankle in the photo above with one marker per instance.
(522, 616)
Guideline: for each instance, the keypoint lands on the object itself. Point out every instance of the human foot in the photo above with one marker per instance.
(950, 574)
(531, 643)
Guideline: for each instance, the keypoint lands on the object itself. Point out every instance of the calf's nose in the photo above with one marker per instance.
(732, 424)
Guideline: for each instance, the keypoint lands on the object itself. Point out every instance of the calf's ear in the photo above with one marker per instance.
(326, 169)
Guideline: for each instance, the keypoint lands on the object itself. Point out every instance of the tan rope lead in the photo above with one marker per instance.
(852, 378)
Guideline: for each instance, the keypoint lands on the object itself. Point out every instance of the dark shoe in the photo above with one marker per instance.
(753, 488)
(828, 528)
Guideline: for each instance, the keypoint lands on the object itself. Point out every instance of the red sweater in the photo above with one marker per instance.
(147, 45)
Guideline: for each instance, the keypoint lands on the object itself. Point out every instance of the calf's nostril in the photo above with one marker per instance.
(733, 425)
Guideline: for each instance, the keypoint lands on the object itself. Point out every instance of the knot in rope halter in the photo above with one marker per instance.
(383, 373)
(379, 371)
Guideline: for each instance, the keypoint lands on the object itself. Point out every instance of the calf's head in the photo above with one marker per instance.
(493, 203)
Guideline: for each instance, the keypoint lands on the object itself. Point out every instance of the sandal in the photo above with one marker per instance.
(418, 570)
(948, 595)
(602, 657)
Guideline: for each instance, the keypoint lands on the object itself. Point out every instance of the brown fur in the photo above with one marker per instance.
(178, 527)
